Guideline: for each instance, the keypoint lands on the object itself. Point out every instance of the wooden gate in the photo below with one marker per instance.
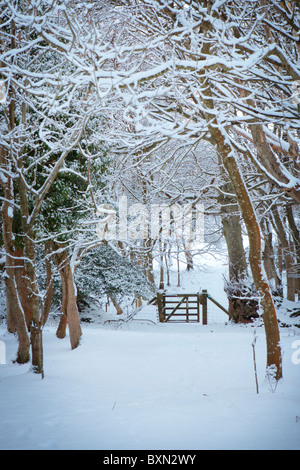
(184, 308)
(181, 308)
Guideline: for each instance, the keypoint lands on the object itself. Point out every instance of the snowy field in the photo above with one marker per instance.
(142, 385)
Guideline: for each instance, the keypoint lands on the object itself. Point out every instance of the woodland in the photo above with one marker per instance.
(172, 103)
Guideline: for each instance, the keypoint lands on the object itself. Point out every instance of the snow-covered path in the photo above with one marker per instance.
(146, 386)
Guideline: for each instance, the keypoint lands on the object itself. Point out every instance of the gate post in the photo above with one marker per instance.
(204, 296)
(160, 307)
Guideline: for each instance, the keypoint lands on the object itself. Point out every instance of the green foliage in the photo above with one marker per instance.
(104, 272)
(68, 200)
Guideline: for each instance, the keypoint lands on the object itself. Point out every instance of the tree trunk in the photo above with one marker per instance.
(269, 259)
(22, 285)
(32, 300)
(62, 326)
(70, 314)
(161, 269)
(242, 306)
(274, 359)
(178, 266)
(269, 163)
(36, 335)
(49, 284)
(287, 254)
(72, 311)
(31, 284)
(15, 315)
(296, 238)
(148, 260)
(188, 257)
(16, 319)
(167, 258)
(227, 159)
(236, 253)
(10, 317)
(115, 304)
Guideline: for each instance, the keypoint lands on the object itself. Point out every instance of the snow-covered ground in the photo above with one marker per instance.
(143, 385)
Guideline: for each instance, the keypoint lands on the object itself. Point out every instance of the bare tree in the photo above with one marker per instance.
(195, 86)
(40, 128)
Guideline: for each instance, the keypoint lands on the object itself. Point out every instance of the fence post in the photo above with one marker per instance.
(204, 296)
(160, 307)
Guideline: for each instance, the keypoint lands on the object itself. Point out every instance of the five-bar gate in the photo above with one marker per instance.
(184, 308)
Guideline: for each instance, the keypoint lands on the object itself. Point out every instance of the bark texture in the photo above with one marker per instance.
(70, 315)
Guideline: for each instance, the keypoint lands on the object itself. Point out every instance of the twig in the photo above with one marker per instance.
(254, 360)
